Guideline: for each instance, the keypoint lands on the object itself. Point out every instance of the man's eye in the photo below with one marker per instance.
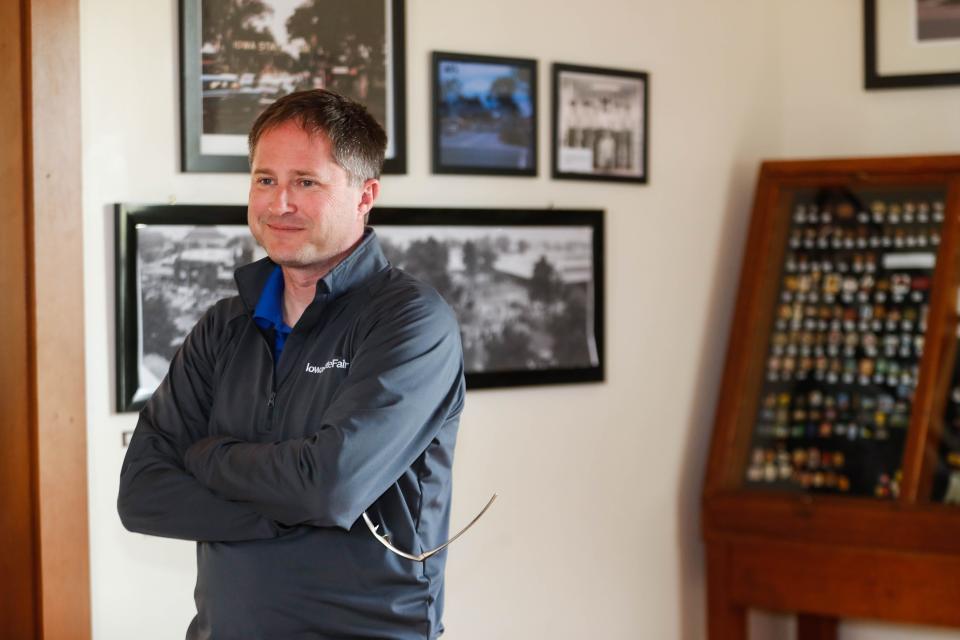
(308, 183)
(265, 181)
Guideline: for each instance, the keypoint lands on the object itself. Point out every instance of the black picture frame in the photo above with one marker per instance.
(567, 312)
(486, 134)
(134, 383)
(248, 93)
(519, 226)
(874, 78)
(604, 136)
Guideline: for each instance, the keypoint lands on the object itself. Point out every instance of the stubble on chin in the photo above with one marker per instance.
(304, 256)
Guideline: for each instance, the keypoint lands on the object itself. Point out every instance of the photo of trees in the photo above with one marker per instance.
(524, 295)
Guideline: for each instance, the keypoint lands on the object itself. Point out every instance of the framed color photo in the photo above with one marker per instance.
(238, 57)
(600, 124)
(526, 285)
(911, 43)
(484, 115)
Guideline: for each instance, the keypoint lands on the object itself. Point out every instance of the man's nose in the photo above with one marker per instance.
(280, 203)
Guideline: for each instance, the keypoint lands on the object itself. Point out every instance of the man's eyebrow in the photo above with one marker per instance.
(299, 173)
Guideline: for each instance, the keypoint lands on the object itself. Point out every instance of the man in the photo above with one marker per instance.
(332, 385)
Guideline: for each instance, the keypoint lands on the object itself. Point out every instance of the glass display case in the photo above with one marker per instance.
(844, 351)
(833, 480)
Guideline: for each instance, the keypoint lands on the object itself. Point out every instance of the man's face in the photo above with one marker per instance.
(302, 208)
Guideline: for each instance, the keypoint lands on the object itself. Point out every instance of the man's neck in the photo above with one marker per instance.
(300, 284)
(299, 290)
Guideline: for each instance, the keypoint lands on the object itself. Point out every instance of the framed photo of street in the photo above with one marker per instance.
(600, 124)
(911, 43)
(484, 115)
(237, 58)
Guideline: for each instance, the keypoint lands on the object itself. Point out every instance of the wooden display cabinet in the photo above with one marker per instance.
(833, 479)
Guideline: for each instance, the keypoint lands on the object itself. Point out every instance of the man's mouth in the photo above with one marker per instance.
(283, 227)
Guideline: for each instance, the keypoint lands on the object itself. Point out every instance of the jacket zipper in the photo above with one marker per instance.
(272, 400)
(270, 405)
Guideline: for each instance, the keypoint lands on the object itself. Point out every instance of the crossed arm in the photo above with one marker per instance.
(404, 382)
(157, 495)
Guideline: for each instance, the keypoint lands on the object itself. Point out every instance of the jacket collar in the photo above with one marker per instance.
(364, 261)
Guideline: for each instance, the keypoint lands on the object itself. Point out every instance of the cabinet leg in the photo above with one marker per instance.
(725, 619)
(810, 627)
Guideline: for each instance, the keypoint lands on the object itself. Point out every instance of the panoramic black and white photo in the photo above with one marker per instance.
(527, 286)
(182, 270)
(524, 295)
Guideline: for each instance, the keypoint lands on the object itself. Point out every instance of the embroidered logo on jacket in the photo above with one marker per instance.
(336, 363)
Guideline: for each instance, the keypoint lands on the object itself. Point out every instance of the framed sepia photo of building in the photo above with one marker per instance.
(238, 57)
(600, 124)
(484, 115)
(526, 285)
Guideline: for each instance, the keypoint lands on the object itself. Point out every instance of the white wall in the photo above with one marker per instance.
(596, 532)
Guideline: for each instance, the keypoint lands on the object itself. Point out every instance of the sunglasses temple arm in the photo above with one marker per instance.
(383, 540)
(446, 544)
(423, 556)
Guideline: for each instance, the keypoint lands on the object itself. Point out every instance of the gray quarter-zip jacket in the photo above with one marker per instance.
(268, 466)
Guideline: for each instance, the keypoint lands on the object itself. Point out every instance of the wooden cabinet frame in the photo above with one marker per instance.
(826, 557)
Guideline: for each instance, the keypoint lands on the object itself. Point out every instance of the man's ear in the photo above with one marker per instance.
(371, 189)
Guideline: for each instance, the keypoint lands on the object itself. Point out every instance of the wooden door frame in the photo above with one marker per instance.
(45, 592)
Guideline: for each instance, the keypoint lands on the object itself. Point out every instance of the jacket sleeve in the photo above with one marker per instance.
(157, 495)
(404, 383)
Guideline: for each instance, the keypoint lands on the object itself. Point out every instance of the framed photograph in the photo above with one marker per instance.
(238, 57)
(172, 263)
(600, 124)
(911, 43)
(527, 285)
(484, 115)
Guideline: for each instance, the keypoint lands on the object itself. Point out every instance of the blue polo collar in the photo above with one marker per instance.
(268, 313)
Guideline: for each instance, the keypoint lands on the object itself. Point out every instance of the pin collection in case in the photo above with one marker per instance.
(847, 338)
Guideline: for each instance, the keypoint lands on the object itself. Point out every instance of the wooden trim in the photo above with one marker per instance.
(58, 318)
(831, 581)
(45, 591)
(811, 627)
(721, 473)
(946, 347)
(19, 610)
(917, 470)
(862, 168)
(838, 520)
